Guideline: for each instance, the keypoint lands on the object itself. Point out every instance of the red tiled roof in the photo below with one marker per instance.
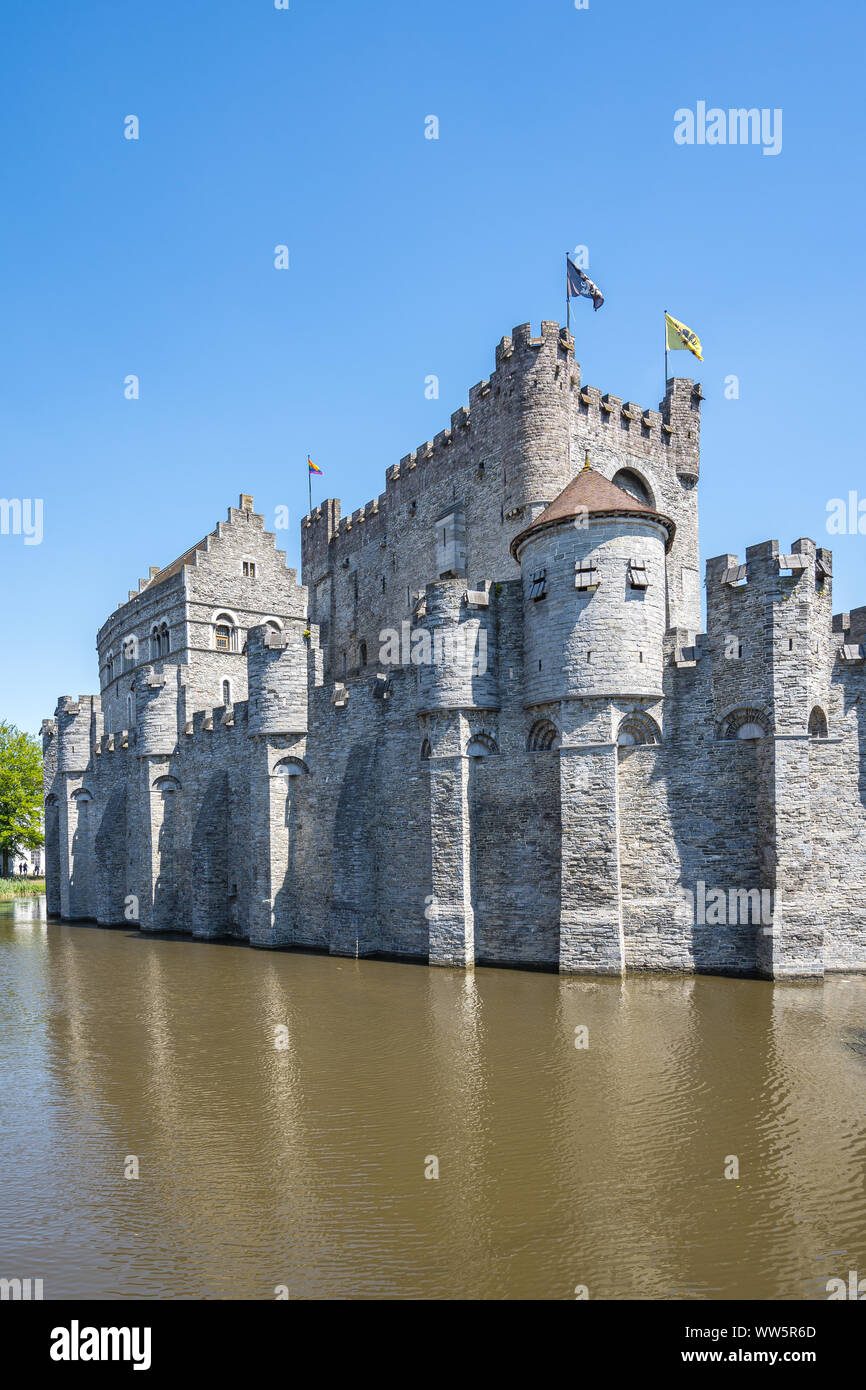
(590, 493)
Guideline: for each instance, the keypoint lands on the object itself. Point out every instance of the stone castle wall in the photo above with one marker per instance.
(573, 782)
(504, 457)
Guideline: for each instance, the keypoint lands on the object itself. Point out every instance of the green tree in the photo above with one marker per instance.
(20, 793)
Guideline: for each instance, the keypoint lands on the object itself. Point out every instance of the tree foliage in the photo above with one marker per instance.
(20, 791)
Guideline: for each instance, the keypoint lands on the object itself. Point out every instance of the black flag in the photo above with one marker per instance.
(580, 284)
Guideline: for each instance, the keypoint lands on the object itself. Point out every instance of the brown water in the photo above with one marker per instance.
(305, 1167)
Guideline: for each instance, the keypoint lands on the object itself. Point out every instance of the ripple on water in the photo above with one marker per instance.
(304, 1163)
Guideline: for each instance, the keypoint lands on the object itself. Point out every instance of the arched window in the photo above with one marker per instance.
(130, 711)
(425, 750)
(166, 786)
(634, 484)
(160, 643)
(363, 653)
(225, 639)
(129, 652)
(109, 668)
(743, 724)
(227, 692)
(542, 736)
(817, 723)
(481, 746)
(637, 728)
(291, 767)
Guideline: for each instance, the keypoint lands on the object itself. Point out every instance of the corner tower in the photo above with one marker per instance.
(594, 574)
(595, 586)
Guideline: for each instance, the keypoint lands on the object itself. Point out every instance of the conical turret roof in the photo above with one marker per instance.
(590, 493)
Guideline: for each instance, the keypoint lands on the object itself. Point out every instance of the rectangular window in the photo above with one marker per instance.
(538, 584)
(637, 575)
(586, 574)
(249, 570)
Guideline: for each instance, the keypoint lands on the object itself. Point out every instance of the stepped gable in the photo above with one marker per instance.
(590, 493)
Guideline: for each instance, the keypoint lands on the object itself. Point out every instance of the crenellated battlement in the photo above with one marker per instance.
(488, 727)
(850, 628)
(769, 636)
(769, 568)
(515, 353)
(76, 725)
(516, 444)
(672, 429)
(221, 719)
(521, 341)
(114, 743)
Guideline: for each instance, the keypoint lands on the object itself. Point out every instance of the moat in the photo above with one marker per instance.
(283, 1108)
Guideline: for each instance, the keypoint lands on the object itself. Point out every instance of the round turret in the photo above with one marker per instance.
(594, 581)
(534, 375)
(455, 650)
(277, 679)
(73, 721)
(155, 713)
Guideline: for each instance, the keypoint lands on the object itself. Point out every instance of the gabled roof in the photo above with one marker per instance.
(589, 493)
(177, 565)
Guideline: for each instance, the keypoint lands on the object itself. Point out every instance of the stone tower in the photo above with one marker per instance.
(594, 581)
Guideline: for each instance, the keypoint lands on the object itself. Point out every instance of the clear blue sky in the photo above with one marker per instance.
(408, 257)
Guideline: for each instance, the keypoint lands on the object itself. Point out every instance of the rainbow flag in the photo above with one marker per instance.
(313, 468)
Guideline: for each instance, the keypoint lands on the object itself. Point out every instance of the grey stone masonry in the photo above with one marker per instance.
(487, 727)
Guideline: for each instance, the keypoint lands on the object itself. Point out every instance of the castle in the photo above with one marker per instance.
(487, 728)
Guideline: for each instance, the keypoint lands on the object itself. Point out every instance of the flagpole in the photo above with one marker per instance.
(567, 298)
(666, 352)
(310, 484)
